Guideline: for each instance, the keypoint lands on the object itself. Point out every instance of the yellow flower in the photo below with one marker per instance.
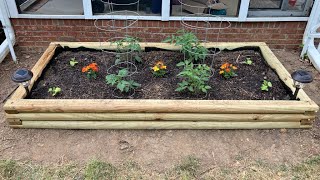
(155, 68)
(221, 72)
(234, 67)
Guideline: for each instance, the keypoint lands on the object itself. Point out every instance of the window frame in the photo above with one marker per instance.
(243, 15)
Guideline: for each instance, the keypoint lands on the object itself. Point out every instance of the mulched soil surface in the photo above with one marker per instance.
(75, 85)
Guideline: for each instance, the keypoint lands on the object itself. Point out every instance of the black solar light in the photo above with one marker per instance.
(23, 77)
(300, 78)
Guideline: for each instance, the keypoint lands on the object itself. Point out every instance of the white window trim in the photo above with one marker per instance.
(165, 14)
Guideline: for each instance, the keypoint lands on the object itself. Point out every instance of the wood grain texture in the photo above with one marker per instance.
(156, 125)
(157, 106)
(159, 117)
(20, 93)
(108, 45)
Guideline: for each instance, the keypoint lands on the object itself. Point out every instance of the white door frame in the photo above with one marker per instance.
(7, 44)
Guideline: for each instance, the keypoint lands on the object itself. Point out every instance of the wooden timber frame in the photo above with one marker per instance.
(160, 114)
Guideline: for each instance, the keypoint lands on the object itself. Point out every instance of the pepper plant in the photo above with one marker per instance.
(195, 77)
(126, 44)
(190, 45)
(119, 81)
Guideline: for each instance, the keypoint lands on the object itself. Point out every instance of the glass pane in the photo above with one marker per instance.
(50, 7)
(228, 8)
(265, 4)
(279, 8)
(127, 7)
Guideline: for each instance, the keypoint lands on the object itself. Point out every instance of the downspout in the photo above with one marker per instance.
(7, 45)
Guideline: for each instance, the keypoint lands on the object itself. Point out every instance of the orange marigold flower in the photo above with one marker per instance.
(85, 69)
(228, 70)
(159, 63)
(225, 66)
(92, 66)
(163, 67)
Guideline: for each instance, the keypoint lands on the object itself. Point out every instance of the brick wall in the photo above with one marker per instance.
(36, 34)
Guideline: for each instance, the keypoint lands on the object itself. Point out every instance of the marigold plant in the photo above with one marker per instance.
(91, 70)
(227, 70)
(159, 69)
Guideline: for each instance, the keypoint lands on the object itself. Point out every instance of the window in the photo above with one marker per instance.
(127, 7)
(228, 8)
(165, 10)
(279, 8)
(50, 7)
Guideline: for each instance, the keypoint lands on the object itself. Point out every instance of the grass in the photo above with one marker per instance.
(188, 168)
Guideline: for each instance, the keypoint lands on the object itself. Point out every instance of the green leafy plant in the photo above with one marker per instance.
(248, 61)
(190, 45)
(195, 77)
(126, 44)
(54, 91)
(119, 81)
(73, 62)
(266, 85)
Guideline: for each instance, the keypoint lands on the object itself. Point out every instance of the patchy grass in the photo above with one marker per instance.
(188, 168)
(96, 170)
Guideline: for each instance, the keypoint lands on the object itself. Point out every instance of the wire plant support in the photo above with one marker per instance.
(115, 32)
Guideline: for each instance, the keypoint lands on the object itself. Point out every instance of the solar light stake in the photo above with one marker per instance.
(300, 78)
(23, 77)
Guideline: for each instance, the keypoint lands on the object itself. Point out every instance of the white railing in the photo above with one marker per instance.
(7, 44)
(312, 32)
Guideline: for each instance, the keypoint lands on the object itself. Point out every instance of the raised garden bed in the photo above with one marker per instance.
(236, 103)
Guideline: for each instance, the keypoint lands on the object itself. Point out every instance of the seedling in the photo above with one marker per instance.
(54, 91)
(266, 85)
(195, 77)
(73, 62)
(248, 61)
(119, 81)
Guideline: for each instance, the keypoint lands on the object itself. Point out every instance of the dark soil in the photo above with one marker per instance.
(75, 85)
